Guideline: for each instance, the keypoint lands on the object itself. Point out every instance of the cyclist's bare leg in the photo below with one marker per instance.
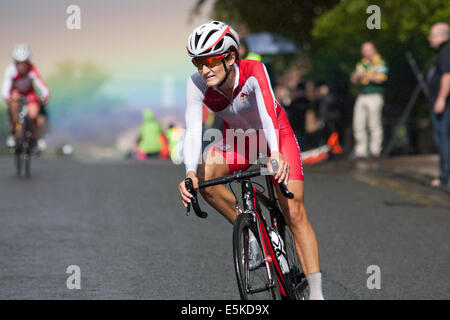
(297, 220)
(219, 197)
(33, 112)
(14, 104)
(41, 124)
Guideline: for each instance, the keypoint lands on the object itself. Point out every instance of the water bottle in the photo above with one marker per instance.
(278, 245)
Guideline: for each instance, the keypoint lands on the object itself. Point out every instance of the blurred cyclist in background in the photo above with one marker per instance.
(19, 80)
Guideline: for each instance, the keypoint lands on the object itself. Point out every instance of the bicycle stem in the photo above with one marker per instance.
(240, 176)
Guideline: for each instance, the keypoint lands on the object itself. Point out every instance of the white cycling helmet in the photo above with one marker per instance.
(21, 53)
(212, 38)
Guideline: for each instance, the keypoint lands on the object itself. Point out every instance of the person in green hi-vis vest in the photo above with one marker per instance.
(174, 137)
(148, 142)
(244, 53)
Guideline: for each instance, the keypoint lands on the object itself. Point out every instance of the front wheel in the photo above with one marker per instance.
(298, 286)
(260, 281)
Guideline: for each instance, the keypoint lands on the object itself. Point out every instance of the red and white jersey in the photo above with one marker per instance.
(253, 107)
(23, 83)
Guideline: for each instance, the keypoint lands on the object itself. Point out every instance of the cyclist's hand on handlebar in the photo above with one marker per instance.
(282, 175)
(44, 99)
(185, 195)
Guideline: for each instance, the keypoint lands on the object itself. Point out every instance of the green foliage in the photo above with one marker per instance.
(404, 26)
(332, 31)
(291, 18)
(338, 33)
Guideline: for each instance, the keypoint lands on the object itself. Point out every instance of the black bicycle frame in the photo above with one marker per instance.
(270, 204)
(235, 177)
(251, 207)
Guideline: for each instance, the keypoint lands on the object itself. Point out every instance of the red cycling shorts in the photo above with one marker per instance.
(240, 155)
(32, 98)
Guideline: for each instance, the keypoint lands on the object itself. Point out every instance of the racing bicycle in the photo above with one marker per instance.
(25, 141)
(278, 275)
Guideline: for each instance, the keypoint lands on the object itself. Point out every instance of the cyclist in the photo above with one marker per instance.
(19, 78)
(239, 92)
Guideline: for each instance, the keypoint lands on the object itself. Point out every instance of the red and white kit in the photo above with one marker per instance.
(23, 84)
(253, 107)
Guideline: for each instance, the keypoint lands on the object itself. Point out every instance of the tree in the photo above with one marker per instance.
(331, 31)
(338, 33)
(331, 34)
(290, 18)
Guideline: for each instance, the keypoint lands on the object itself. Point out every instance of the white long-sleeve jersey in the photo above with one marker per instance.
(253, 107)
(12, 80)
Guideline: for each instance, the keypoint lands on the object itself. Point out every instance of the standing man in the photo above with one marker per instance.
(439, 84)
(370, 75)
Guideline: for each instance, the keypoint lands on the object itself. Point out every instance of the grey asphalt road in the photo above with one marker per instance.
(122, 224)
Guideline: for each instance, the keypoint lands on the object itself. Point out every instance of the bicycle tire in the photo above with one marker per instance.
(19, 149)
(264, 288)
(298, 286)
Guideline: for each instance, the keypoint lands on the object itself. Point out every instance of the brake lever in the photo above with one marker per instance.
(285, 191)
(190, 187)
(283, 187)
(188, 209)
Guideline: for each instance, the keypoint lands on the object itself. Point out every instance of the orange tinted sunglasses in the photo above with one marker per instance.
(209, 62)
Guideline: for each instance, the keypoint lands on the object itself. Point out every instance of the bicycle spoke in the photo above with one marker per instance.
(296, 277)
(255, 283)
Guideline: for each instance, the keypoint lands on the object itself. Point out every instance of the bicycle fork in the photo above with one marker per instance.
(266, 244)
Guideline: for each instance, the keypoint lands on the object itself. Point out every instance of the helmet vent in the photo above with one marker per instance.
(209, 36)
(232, 37)
(218, 45)
(207, 51)
(197, 38)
